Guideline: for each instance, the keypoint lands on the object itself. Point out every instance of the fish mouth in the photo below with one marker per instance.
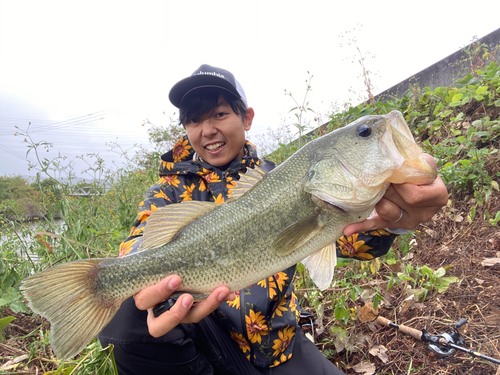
(412, 165)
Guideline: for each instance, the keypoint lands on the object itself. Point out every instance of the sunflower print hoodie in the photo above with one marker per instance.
(264, 317)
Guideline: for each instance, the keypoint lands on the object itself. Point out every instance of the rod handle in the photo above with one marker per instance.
(460, 323)
(415, 333)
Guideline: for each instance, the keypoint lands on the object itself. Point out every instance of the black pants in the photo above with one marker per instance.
(197, 349)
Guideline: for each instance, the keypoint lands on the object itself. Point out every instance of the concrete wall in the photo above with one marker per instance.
(446, 72)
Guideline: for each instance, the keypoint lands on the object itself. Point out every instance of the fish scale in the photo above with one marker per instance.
(299, 208)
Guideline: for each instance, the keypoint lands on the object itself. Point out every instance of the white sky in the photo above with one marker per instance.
(90, 72)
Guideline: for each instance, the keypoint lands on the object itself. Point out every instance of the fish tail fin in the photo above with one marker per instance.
(66, 296)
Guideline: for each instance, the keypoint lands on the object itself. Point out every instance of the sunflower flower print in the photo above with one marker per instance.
(256, 326)
(351, 247)
(137, 231)
(281, 279)
(167, 165)
(144, 215)
(125, 247)
(281, 308)
(188, 194)
(202, 186)
(293, 306)
(380, 232)
(170, 179)
(230, 184)
(211, 177)
(272, 286)
(242, 343)
(181, 150)
(235, 302)
(204, 171)
(283, 358)
(285, 337)
(262, 283)
(161, 194)
(219, 199)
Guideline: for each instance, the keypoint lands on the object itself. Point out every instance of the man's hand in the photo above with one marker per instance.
(183, 311)
(417, 204)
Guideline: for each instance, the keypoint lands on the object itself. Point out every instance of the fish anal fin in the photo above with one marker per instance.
(166, 222)
(296, 235)
(321, 265)
(247, 181)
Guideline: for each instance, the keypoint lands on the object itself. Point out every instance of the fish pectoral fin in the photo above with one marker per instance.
(296, 235)
(246, 182)
(321, 265)
(166, 222)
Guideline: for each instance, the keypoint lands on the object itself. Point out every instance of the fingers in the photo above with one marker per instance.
(372, 223)
(433, 194)
(184, 312)
(157, 293)
(201, 309)
(159, 326)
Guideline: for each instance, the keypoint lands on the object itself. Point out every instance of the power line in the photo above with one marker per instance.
(12, 152)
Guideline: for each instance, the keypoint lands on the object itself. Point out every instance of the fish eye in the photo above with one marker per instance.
(364, 130)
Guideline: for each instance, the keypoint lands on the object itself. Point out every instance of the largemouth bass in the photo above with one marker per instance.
(273, 221)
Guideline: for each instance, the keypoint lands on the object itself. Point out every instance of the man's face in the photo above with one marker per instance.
(219, 136)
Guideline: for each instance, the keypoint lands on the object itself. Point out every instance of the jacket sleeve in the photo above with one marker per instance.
(365, 245)
(159, 195)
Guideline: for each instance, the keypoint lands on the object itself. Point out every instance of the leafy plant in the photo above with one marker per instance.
(300, 110)
(424, 280)
(3, 323)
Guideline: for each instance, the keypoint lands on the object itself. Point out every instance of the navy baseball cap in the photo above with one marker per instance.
(206, 76)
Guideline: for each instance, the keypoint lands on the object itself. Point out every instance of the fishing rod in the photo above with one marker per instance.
(443, 345)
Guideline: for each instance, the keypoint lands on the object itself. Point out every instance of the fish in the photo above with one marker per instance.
(272, 221)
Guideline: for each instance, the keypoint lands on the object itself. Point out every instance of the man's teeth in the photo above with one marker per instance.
(214, 146)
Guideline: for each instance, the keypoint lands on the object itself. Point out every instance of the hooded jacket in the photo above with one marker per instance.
(264, 317)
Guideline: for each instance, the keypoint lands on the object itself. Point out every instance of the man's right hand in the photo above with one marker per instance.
(183, 311)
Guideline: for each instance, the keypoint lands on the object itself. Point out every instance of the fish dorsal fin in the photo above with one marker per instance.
(166, 222)
(321, 265)
(247, 181)
(296, 235)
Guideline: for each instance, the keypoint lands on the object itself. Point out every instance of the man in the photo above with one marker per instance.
(263, 320)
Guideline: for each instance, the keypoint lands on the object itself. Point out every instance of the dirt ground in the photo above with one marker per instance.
(446, 241)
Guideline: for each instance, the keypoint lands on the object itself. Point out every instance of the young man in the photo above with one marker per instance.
(262, 320)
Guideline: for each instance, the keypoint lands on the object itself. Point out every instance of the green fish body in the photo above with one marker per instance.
(273, 221)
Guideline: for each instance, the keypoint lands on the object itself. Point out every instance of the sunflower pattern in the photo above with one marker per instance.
(365, 245)
(264, 317)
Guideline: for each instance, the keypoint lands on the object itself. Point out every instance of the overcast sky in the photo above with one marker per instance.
(86, 73)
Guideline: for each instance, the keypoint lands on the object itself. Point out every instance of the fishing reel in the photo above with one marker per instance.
(443, 345)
